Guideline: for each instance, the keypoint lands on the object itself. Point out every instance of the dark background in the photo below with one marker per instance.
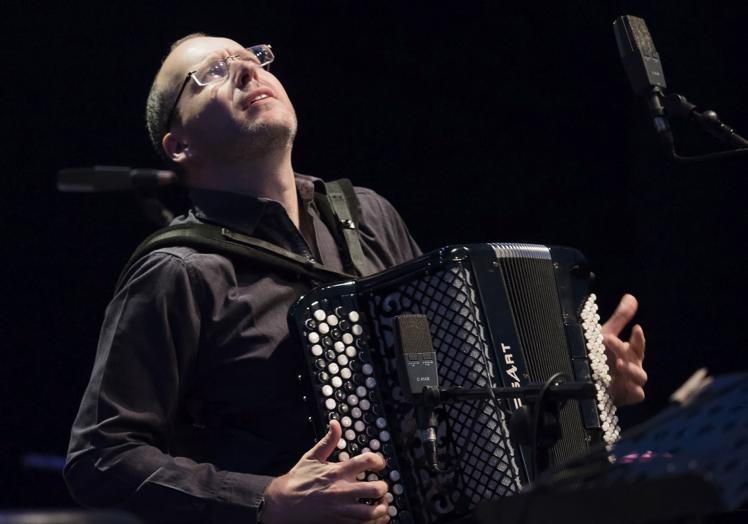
(504, 121)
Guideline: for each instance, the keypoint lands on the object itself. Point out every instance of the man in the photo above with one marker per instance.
(193, 412)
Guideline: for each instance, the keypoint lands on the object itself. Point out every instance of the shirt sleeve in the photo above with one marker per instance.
(119, 454)
(383, 230)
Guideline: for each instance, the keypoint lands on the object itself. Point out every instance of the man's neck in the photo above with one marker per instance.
(271, 178)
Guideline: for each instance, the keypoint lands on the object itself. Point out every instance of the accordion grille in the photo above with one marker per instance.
(485, 467)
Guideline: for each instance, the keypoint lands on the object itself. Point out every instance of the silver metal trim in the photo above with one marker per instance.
(536, 251)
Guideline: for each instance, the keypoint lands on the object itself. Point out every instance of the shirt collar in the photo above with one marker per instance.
(242, 212)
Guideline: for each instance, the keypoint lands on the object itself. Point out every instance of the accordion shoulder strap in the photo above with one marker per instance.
(341, 210)
(218, 239)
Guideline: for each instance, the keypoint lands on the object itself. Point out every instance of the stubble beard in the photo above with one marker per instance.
(253, 141)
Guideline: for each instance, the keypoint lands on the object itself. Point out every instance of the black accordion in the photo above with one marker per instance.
(500, 315)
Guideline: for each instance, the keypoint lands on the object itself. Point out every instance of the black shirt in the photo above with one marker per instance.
(194, 403)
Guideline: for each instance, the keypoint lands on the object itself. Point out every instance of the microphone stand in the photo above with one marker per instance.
(535, 424)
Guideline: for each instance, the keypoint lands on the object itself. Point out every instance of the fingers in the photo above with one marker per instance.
(324, 448)
(622, 315)
(637, 341)
(631, 372)
(362, 490)
(363, 512)
(361, 463)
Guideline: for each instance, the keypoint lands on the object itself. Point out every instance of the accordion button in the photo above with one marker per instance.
(327, 390)
(357, 378)
(356, 412)
(384, 436)
(357, 329)
(336, 382)
(349, 387)
(367, 369)
(388, 497)
(353, 316)
(332, 320)
(316, 350)
(343, 409)
(335, 333)
(346, 423)
(365, 450)
(363, 440)
(374, 444)
(338, 346)
(339, 311)
(319, 315)
(320, 363)
(352, 400)
(353, 449)
(323, 328)
(346, 373)
(397, 489)
(364, 404)
(359, 426)
(344, 325)
(327, 341)
(310, 324)
(394, 475)
(333, 368)
(342, 360)
(372, 477)
(323, 376)
(381, 423)
(342, 444)
(313, 337)
(347, 338)
(371, 382)
(371, 431)
(392, 511)
(330, 404)
(361, 476)
(350, 435)
(361, 391)
(333, 416)
(339, 396)
(350, 351)
(330, 355)
(343, 456)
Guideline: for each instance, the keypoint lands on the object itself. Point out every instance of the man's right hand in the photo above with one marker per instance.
(316, 490)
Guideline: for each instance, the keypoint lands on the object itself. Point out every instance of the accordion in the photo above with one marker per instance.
(500, 315)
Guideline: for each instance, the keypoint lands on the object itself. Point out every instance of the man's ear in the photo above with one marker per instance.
(175, 147)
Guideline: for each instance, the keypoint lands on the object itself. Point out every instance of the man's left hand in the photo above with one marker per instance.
(625, 358)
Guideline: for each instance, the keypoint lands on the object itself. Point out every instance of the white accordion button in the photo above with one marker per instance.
(338, 346)
(397, 489)
(343, 456)
(381, 423)
(364, 404)
(346, 422)
(333, 368)
(347, 339)
(323, 328)
(357, 329)
(350, 435)
(342, 444)
(319, 315)
(361, 391)
(394, 475)
(356, 413)
(353, 316)
(374, 444)
(350, 351)
(332, 320)
(327, 390)
(342, 360)
(370, 382)
(368, 369)
(345, 373)
(337, 382)
(359, 426)
(384, 436)
(317, 350)
(313, 337)
(330, 404)
(388, 497)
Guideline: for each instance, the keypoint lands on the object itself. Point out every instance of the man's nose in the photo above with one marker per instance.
(247, 71)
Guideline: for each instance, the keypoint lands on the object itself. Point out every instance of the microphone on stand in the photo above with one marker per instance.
(112, 178)
(644, 70)
(416, 363)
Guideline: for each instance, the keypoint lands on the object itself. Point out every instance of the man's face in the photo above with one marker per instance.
(243, 116)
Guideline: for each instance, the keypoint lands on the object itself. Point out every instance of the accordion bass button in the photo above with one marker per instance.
(374, 444)
(394, 475)
(397, 489)
(310, 324)
(343, 456)
(338, 346)
(392, 511)
(347, 339)
(327, 390)
(342, 444)
(337, 382)
(356, 412)
(357, 330)
(313, 337)
(388, 497)
(346, 373)
(384, 436)
(353, 316)
(319, 315)
(332, 320)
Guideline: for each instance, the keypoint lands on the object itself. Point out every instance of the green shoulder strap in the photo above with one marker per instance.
(214, 238)
(341, 210)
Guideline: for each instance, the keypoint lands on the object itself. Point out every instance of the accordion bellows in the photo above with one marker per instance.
(499, 315)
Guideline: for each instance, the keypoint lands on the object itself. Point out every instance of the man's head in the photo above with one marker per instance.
(243, 117)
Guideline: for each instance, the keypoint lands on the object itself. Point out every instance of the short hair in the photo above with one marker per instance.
(159, 104)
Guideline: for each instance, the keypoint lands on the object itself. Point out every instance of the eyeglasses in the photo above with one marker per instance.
(218, 70)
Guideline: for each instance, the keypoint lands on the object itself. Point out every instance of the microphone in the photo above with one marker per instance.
(112, 178)
(644, 70)
(416, 365)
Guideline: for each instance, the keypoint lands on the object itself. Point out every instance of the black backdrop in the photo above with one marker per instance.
(508, 121)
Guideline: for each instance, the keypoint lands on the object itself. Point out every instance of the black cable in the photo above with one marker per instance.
(709, 156)
(537, 411)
